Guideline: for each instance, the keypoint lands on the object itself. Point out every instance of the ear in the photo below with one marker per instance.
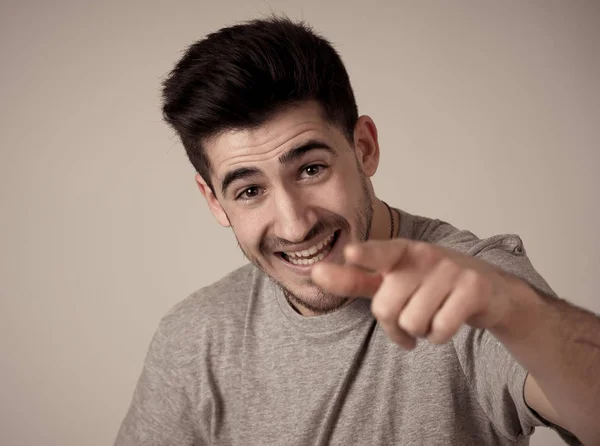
(366, 145)
(212, 201)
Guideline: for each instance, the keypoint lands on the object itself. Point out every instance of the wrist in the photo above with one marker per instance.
(523, 308)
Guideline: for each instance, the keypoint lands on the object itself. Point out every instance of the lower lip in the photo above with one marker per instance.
(305, 269)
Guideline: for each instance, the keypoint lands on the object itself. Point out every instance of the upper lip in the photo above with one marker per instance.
(308, 245)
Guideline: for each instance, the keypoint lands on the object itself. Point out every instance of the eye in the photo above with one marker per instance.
(249, 193)
(313, 170)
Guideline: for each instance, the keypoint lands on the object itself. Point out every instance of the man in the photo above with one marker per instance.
(315, 341)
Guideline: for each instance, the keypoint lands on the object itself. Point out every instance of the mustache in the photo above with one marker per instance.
(272, 244)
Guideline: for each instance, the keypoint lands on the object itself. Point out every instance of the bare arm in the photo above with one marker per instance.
(559, 344)
(420, 290)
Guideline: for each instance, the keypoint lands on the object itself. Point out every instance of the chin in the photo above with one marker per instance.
(316, 301)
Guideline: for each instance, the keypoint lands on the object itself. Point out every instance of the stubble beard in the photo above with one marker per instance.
(323, 302)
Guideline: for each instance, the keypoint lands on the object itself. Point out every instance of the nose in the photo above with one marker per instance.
(294, 217)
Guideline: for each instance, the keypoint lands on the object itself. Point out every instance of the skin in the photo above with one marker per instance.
(418, 290)
(296, 205)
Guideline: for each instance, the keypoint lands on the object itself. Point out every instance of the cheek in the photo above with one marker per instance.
(248, 228)
(344, 193)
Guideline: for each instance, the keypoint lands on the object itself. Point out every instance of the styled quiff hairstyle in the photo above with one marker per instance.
(241, 76)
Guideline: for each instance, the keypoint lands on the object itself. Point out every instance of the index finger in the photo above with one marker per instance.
(377, 255)
(346, 280)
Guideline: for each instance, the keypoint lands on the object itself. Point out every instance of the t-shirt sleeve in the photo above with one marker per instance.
(497, 379)
(160, 410)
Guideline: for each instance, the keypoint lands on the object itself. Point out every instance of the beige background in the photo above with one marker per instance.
(489, 117)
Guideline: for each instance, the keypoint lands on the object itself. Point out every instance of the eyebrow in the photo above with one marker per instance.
(287, 158)
(298, 152)
(238, 174)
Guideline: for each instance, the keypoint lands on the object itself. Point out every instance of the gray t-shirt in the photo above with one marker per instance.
(235, 364)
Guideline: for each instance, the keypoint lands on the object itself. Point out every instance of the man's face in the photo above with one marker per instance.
(295, 193)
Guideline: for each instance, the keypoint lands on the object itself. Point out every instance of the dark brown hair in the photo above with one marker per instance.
(241, 76)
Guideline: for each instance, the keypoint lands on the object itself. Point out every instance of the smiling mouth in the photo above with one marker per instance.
(312, 255)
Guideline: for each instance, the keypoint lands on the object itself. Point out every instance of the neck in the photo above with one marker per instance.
(380, 226)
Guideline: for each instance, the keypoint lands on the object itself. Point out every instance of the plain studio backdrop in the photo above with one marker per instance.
(488, 116)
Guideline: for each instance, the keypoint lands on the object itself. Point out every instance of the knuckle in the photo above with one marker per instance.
(472, 279)
(401, 337)
(420, 247)
(425, 253)
(441, 330)
(412, 325)
(448, 266)
(381, 311)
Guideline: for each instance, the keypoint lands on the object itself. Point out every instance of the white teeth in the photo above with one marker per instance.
(315, 259)
(310, 251)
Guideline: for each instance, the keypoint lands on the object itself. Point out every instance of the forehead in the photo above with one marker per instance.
(238, 148)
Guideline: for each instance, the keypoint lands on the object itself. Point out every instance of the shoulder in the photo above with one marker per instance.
(440, 232)
(221, 304)
(506, 251)
(434, 230)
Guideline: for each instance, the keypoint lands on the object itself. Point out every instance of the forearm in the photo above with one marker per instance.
(559, 345)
